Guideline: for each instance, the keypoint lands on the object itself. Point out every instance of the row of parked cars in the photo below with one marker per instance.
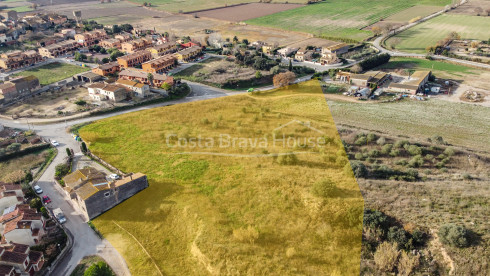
(58, 213)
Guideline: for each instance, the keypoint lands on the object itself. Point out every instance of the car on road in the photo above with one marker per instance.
(58, 214)
(114, 176)
(38, 189)
(55, 143)
(46, 199)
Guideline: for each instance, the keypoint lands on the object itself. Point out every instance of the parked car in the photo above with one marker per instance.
(114, 176)
(38, 189)
(46, 199)
(58, 214)
(54, 143)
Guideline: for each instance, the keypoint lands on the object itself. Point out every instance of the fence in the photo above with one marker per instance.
(104, 163)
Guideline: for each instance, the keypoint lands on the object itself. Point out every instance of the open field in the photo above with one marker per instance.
(20, 165)
(338, 18)
(53, 72)
(470, 7)
(237, 208)
(439, 68)
(459, 124)
(246, 12)
(413, 12)
(417, 38)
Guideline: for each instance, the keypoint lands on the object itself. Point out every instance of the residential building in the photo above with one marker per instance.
(142, 76)
(8, 91)
(139, 89)
(68, 33)
(18, 59)
(9, 15)
(287, 51)
(19, 259)
(56, 19)
(190, 44)
(188, 53)
(159, 65)
(94, 194)
(35, 21)
(303, 55)
(90, 38)
(414, 85)
(110, 43)
(343, 76)
(338, 49)
(133, 46)
(107, 69)
(10, 195)
(162, 49)
(267, 49)
(329, 58)
(369, 78)
(123, 37)
(25, 85)
(134, 59)
(103, 91)
(21, 224)
(59, 49)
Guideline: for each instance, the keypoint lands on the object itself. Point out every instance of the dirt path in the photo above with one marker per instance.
(437, 245)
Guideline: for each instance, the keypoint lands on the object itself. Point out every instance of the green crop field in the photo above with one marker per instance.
(339, 18)
(428, 33)
(53, 72)
(21, 9)
(221, 207)
(439, 68)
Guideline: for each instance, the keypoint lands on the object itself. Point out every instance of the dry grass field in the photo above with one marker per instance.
(241, 206)
(22, 164)
(246, 12)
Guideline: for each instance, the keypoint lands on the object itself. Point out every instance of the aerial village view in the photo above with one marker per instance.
(226, 137)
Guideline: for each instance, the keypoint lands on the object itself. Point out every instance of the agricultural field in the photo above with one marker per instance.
(339, 19)
(211, 207)
(439, 68)
(246, 12)
(419, 37)
(53, 72)
(195, 5)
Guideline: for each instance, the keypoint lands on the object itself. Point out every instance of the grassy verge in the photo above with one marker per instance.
(85, 263)
(53, 72)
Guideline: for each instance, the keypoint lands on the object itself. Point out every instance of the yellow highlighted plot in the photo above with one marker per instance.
(248, 184)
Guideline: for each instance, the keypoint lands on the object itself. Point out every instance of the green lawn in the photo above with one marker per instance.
(21, 9)
(53, 72)
(428, 33)
(339, 18)
(439, 68)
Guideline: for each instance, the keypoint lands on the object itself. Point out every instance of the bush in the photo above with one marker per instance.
(386, 149)
(99, 269)
(288, 159)
(400, 144)
(36, 203)
(359, 156)
(395, 152)
(386, 256)
(436, 139)
(324, 188)
(407, 263)
(61, 170)
(362, 140)
(454, 235)
(44, 211)
(371, 137)
(416, 161)
(249, 234)
(13, 147)
(413, 149)
(359, 169)
(373, 153)
(398, 236)
(80, 102)
(449, 152)
(375, 219)
(381, 141)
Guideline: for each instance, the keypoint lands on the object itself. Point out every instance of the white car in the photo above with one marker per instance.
(38, 189)
(54, 143)
(114, 176)
(58, 214)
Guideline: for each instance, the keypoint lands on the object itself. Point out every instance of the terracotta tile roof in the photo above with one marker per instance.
(13, 257)
(35, 256)
(20, 248)
(137, 73)
(6, 270)
(86, 182)
(107, 66)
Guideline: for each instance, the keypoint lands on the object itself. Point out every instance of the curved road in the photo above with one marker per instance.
(86, 242)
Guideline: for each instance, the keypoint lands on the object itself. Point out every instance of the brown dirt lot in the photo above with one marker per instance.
(469, 8)
(246, 12)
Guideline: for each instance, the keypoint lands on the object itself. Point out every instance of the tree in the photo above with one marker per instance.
(116, 29)
(80, 57)
(376, 30)
(454, 235)
(165, 86)
(36, 203)
(454, 36)
(356, 68)
(99, 269)
(235, 40)
(150, 78)
(68, 152)
(258, 74)
(105, 60)
(386, 256)
(28, 177)
(83, 147)
(290, 68)
(61, 170)
(13, 147)
(283, 79)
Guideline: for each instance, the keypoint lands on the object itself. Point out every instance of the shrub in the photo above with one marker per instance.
(386, 256)
(371, 137)
(429, 157)
(44, 211)
(13, 147)
(400, 144)
(61, 170)
(83, 147)
(288, 159)
(36, 203)
(99, 269)
(436, 139)
(416, 161)
(68, 152)
(467, 176)
(204, 121)
(249, 234)
(418, 237)
(361, 141)
(413, 149)
(386, 149)
(407, 263)
(359, 169)
(381, 141)
(373, 153)
(375, 219)
(449, 151)
(398, 236)
(324, 188)
(359, 156)
(454, 235)
(412, 173)
(80, 102)
(401, 162)
(395, 152)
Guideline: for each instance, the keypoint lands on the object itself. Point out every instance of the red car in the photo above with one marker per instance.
(46, 199)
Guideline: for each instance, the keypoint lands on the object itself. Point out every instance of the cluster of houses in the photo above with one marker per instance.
(374, 79)
(324, 55)
(14, 88)
(21, 227)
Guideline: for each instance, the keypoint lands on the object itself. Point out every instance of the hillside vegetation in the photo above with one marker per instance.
(242, 208)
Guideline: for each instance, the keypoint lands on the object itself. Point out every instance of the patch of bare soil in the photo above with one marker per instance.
(472, 7)
(245, 12)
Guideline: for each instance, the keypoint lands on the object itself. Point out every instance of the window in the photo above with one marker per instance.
(107, 194)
